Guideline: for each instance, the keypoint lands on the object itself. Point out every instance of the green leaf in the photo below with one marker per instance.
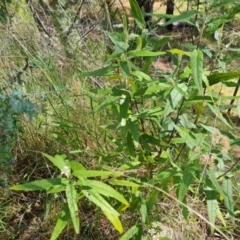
(212, 209)
(222, 77)
(228, 200)
(184, 16)
(219, 115)
(163, 176)
(62, 221)
(130, 145)
(145, 53)
(158, 111)
(57, 160)
(107, 209)
(76, 165)
(131, 232)
(106, 71)
(125, 69)
(152, 199)
(188, 175)
(110, 100)
(115, 37)
(174, 98)
(91, 173)
(71, 195)
(141, 75)
(124, 183)
(197, 69)
(106, 190)
(39, 185)
(137, 12)
(133, 127)
(187, 136)
(124, 106)
(215, 183)
(143, 211)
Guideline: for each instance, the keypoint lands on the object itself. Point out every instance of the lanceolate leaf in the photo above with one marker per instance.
(71, 195)
(212, 208)
(187, 136)
(184, 16)
(152, 200)
(123, 183)
(222, 77)
(228, 200)
(62, 221)
(45, 184)
(188, 175)
(57, 160)
(108, 210)
(197, 69)
(219, 115)
(215, 183)
(105, 190)
(130, 233)
(91, 173)
(137, 12)
(146, 53)
(107, 71)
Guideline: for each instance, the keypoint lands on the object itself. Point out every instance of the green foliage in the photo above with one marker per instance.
(13, 105)
(3, 10)
(154, 122)
(75, 188)
(155, 128)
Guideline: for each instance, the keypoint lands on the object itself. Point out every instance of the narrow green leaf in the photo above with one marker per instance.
(137, 12)
(57, 160)
(212, 208)
(125, 69)
(175, 98)
(130, 145)
(133, 127)
(188, 175)
(228, 200)
(197, 69)
(152, 199)
(107, 71)
(62, 221)
(143, 211)
(124, 107)
(124, 183)
(91, 173)
(163, 176)
(106, 190)
(76, 165)
(219, 115)
(187, 136)
(141, 75)
(107, 209)
(184, 16)
(71, 195)
(222, 77)
(215, 183)
(145, 53)
(131, 232)
(106, 102)
(220, 216)
(39, 185)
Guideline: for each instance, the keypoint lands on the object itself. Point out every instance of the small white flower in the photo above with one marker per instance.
(66, 171)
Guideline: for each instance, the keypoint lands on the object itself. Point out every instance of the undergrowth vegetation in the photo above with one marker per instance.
(126, 133)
